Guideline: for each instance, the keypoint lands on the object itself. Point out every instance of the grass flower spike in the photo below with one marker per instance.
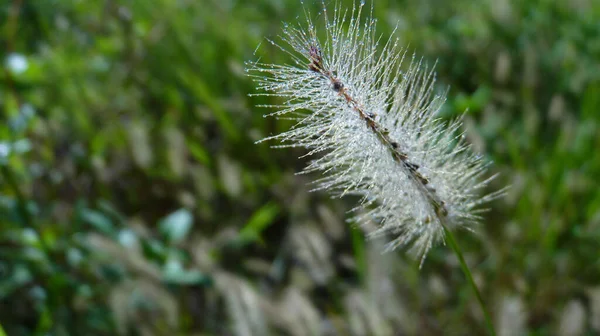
(370, 122)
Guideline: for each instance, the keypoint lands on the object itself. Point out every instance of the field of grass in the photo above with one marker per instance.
(134, 200)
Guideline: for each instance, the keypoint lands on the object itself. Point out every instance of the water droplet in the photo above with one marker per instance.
(362, 2)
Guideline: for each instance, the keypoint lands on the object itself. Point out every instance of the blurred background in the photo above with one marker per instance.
(133, 200)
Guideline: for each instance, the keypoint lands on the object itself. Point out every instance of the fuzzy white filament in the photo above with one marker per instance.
(374, 130)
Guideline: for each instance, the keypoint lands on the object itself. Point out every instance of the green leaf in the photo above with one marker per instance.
(259, 221)
(98, 220)
(198, 152)
(176, 225)
(154, 249)
(174, 273)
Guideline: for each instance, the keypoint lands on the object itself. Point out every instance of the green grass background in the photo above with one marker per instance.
(134, 201)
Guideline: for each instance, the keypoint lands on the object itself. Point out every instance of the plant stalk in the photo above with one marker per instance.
(465, 268)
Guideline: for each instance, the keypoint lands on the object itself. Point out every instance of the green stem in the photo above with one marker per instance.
(452, 242)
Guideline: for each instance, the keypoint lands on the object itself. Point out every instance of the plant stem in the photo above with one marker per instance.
(452, 242)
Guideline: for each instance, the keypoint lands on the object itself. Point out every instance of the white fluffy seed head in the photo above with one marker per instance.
(371, 124)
